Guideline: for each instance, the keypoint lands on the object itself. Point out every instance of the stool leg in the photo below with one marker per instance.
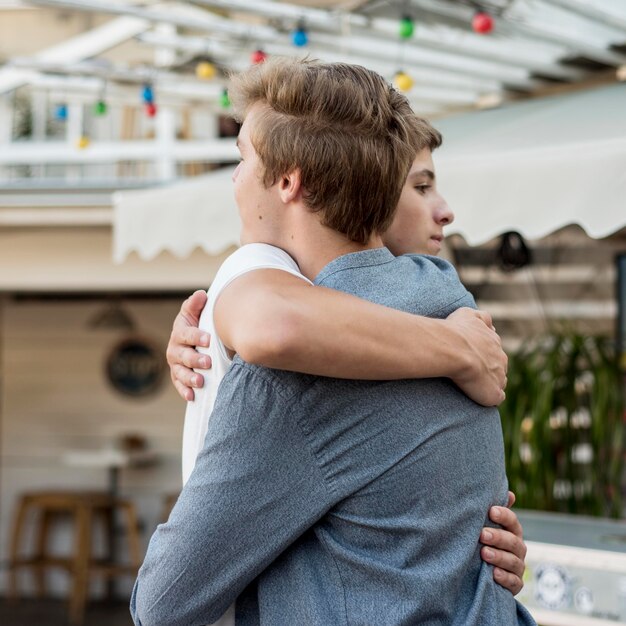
(132, 532)
(109, 518)
(82, 558)
(16, 536)
(42, 553)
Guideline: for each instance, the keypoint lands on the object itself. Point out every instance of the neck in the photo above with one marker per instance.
(313, 245)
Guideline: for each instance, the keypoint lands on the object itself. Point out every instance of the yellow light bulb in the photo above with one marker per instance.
(403, 81)
(205, 70)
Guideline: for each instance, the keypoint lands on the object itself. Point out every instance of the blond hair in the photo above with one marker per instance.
(352, 136)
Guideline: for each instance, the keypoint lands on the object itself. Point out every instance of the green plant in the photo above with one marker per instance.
(563, 425)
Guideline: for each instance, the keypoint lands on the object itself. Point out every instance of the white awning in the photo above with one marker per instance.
(537, 166)
(195, 213)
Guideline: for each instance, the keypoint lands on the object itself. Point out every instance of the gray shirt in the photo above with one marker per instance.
(323, 501)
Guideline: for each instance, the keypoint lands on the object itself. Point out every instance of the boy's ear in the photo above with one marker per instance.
(290, 186)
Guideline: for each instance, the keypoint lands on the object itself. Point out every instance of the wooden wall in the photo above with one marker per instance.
(55, 397)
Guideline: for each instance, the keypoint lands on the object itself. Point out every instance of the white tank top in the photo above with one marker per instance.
(254, 256)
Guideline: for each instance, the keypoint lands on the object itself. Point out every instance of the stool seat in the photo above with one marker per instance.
(84, 507)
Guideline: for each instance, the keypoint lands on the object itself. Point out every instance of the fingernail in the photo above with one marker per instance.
(488, 553)
(495, 512)
(487, 535)
(197, 381)
(204, 362)
(204, 340)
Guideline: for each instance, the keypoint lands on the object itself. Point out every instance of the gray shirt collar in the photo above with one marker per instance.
(365, 258)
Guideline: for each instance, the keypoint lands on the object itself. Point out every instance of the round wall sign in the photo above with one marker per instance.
(135, 367)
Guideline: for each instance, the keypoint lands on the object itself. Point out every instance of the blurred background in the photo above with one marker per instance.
(116, 151)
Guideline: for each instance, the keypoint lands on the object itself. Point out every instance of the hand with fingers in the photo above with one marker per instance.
(504, 547)
(182, 357)
(483, 377)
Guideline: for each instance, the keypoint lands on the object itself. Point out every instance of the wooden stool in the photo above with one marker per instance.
(84, 508)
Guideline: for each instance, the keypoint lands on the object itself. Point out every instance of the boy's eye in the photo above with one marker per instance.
(422, 188)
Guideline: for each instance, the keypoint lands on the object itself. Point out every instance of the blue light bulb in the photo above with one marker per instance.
(147, 94)
(61, 112)
(300, 37)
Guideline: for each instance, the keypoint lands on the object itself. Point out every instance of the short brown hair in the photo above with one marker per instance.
(351, 134)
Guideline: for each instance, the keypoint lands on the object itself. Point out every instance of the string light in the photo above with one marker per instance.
(482, 23)
(147, 94)
(60, 112)
(403, 81)
(205, 70)
(406, 27)
(100, 108)
(224, 99)
(258, 56)
(300, 37)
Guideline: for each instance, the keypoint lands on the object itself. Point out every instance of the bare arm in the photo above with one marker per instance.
(274, 319)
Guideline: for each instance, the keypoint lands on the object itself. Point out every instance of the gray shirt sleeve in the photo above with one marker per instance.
(256, 488)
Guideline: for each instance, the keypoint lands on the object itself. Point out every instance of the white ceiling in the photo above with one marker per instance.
(535, 43)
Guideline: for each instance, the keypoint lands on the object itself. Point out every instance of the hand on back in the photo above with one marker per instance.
(181, 354)
(483, 375)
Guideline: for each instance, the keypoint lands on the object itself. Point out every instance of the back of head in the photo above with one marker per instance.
(351, 134)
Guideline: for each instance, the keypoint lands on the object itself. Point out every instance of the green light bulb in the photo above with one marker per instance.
(406, 28)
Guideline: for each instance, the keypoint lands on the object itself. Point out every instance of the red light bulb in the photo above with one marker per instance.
(258, 56)
(482, 23)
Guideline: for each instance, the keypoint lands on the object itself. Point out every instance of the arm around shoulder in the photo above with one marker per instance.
(274, 319)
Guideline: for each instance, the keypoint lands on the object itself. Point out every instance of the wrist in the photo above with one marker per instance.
(457, 355)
